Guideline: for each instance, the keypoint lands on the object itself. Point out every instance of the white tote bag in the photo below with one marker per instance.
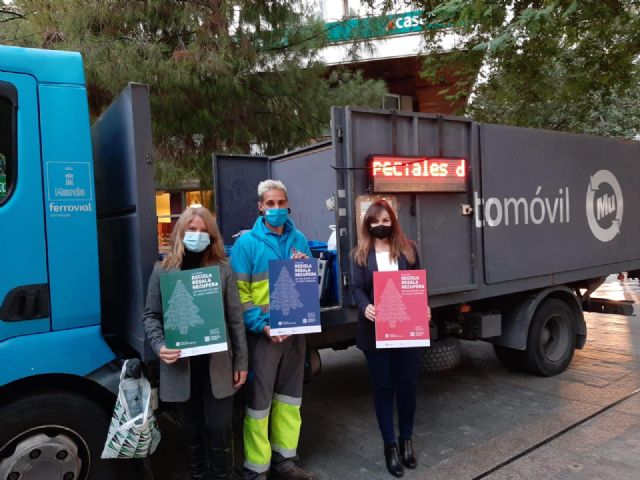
(133, 432)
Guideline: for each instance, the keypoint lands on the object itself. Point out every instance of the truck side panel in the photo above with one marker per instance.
(22, 242)
(69, 206)
(506, 167)
(556, 202)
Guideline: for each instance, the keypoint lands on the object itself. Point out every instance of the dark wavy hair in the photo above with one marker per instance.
(399, 243)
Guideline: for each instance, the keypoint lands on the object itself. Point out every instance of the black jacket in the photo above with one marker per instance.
(363, 296)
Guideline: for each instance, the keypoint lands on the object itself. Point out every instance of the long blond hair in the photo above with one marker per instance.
(213, 254)
(398, 242)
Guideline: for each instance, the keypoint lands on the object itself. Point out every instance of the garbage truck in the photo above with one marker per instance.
(515, 227)
(78, 241)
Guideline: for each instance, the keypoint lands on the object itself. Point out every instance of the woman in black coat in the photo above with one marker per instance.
(382, 246)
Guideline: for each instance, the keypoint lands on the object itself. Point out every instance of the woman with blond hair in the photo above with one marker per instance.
(201, 387)
(382, 246)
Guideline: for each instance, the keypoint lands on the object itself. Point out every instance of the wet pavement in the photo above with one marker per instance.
(482, 420)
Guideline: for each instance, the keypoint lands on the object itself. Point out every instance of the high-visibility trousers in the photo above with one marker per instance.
(272, 421)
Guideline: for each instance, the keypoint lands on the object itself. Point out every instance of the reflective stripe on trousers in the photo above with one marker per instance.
(285, 422)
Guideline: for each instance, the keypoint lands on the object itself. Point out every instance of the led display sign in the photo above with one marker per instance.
(392, 173)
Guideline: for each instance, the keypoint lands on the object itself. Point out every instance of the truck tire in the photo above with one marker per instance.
(312, 364)
(552, 338)
(57, 435)
(441, 355)
(510, 357)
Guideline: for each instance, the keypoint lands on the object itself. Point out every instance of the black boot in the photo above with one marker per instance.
(406, 453)
(221, 453)
(196, 457)
(393, 462)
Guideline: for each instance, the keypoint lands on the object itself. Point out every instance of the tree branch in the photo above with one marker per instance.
(15, 16)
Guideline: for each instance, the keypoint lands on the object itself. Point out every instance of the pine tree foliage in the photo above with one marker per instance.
(560, 64)
(223, 74)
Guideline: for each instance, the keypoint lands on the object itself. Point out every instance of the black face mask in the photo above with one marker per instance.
(381, 231)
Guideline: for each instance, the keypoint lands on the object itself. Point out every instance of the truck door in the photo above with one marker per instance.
(24, 289)
(235, 179)
(125, 202)
(428, 196)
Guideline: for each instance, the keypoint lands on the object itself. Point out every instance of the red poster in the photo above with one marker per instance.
(402, 310)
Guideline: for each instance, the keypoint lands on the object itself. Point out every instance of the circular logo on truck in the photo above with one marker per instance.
(604, 205)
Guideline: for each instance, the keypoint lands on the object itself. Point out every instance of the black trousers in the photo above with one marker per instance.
(394, 372)
(203, 414)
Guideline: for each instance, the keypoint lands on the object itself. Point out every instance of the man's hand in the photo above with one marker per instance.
(239, 378)
(169, 355)
(275, 338)
(296, 255)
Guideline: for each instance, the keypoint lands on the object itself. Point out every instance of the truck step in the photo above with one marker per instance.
(617, 307)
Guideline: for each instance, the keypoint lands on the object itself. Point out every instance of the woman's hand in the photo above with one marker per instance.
(169, 355)
(239, 378)
(370, 312)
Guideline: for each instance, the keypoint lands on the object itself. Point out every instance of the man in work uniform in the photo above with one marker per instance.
(276, 363)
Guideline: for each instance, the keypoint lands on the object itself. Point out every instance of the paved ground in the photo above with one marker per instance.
(482, 420)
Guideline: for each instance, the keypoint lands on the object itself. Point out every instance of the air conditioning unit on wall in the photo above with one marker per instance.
(392, 101)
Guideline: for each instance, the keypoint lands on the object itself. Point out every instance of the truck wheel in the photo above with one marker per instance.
(57, 435)
(312, 364)
(552, 339)
(441, 355)
(510, 357)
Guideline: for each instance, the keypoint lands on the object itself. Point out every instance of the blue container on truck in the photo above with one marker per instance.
(515, 227)
(79, 240)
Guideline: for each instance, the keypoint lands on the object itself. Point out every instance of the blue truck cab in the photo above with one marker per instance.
(68, 225)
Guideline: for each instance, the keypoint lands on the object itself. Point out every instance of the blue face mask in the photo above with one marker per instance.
(276, 217)
(196, 241)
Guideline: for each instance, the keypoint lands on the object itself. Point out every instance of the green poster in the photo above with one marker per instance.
(193, 311)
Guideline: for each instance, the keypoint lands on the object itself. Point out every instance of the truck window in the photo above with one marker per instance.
(7, 142)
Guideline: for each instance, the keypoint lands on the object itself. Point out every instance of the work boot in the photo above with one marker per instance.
(288, 470)
(393, 461)
(251, 475)
(406, 453)
(197, 460)
(221, 453)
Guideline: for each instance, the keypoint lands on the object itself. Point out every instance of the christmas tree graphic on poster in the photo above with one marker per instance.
(285, 295)
(392, 309)
(193, 311)
(402, 311)
(294, 297)
(182, 313)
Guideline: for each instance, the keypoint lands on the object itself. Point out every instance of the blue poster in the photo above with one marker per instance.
(294, 299)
